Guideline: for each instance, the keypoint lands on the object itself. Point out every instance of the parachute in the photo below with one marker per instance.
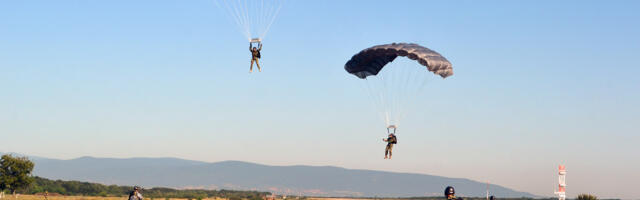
(253, 17)
(392, 85)
(371, 60)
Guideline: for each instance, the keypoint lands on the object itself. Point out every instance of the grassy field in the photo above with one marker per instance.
(40, 197)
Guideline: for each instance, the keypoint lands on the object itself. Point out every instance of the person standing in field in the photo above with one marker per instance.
(135, 194)
(450, 193)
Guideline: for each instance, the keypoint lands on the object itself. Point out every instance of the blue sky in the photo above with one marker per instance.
(536, 84)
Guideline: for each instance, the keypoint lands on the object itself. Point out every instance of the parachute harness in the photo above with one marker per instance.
(392, 127)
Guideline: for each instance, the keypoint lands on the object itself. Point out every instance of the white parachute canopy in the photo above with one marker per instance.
(253, 17)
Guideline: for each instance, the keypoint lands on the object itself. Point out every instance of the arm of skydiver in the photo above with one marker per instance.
(260, 47)
(250, 46)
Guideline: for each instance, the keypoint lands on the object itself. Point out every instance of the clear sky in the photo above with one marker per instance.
(536, 84)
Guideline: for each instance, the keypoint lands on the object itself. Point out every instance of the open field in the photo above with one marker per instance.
(40, 197)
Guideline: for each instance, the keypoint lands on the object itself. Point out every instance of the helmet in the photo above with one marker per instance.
(449, 191)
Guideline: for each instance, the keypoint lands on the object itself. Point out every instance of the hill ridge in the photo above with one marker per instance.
(244, 175)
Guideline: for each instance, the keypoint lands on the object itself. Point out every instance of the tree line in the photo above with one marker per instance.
(79, 188)
(16, 177)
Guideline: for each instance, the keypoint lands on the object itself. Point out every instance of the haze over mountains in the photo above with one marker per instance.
(305, 180)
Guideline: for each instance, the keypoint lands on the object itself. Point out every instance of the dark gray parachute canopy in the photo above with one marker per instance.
(371, 60)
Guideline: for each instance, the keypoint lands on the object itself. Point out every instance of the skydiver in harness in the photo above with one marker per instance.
(391, 140)
(255, 54)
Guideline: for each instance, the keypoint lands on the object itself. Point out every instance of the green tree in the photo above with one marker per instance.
(15, 173)
(587, 197)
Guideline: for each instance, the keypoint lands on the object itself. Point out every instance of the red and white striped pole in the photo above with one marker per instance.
(562, 184)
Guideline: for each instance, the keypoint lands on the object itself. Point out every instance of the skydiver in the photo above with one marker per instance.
(391, 140)
(255, 55)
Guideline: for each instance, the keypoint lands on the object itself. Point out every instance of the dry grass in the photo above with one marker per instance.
(40, 197)
(335, 198)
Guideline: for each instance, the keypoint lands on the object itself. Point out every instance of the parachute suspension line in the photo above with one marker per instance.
(402, 78)
(392, 84)
(270, 22)
(387, 103)
(253, 17)
(379, 87)
(377, 96)
(392, 89)
(238, 12)
(241, 11)
(246, 12)
(395, 88)
(266, 14)
(419, 80)
(262, 16)
(404, 92)
(403, 89)
(413, 75)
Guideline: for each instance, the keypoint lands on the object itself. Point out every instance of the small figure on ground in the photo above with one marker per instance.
(136, 193)
(450, 193)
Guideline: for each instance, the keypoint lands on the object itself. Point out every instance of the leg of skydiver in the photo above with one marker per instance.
(251, 67)
(386, 152)
(258, 64)
(390, 150)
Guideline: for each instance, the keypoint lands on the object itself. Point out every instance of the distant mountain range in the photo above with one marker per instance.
(293, 180)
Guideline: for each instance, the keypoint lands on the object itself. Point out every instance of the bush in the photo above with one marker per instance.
(587, 197)
(94, 189)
